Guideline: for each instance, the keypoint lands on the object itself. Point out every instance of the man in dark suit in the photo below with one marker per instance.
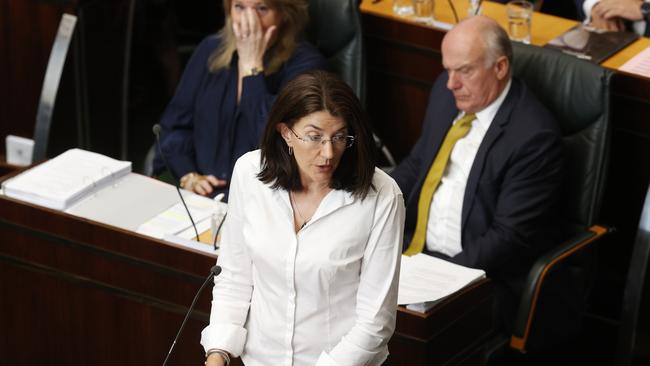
(495, 204)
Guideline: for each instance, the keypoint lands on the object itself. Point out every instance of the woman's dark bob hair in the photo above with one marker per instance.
(309, 93)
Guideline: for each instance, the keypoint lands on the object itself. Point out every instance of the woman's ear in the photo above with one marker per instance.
(283, 130)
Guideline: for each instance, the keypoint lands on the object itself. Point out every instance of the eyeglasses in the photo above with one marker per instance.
(339, 141)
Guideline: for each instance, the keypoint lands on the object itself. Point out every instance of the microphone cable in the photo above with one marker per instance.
(156, 131)
(214, 271)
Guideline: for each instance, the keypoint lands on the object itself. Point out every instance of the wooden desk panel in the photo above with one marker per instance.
(76, 292)
(454, 332)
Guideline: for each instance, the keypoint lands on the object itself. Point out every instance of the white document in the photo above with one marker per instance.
(175, 220)
(639, 64)
(424, 279)
(60, 182)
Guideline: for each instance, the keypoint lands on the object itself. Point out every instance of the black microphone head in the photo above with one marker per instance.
(156, 129)
(215, 270)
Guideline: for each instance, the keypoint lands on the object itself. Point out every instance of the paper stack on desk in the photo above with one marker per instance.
(639, 64)
(64, 180)
(425, 280)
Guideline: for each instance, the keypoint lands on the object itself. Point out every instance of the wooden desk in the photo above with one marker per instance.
(544, 27)
(77, 292)
(404, 59)
(454, 332)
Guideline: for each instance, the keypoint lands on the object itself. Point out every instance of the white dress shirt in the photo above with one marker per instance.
(639, 26)
(444, 225)
(326, 295)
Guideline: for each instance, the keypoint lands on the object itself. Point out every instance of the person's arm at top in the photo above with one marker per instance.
(377, 293)
(594, 17)
(254, 96)
(231, 295)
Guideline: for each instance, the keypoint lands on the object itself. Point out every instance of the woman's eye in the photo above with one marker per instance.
(315, 138)
(262, 9)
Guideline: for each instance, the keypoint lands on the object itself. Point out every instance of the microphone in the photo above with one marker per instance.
(214, 271)
(156, 131)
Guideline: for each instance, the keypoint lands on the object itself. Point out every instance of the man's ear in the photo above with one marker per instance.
(502, 67)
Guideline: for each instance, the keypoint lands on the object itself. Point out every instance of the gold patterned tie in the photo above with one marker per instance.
(456, 132)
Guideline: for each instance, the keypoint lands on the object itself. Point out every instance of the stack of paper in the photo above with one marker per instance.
(425, 279)
(639, 64)
(60, 182)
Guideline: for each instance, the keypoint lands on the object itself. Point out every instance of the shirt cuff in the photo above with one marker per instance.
(586, 7)
(227, 337)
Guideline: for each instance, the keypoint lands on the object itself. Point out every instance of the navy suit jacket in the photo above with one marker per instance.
(510, 206)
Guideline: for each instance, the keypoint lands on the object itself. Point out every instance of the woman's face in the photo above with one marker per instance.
(266, 15)
(317, 157)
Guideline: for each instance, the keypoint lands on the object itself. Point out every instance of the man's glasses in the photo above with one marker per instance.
(339, 141)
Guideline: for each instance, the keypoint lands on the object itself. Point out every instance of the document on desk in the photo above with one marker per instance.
(175, 221)
(425, 279)
(639, 64)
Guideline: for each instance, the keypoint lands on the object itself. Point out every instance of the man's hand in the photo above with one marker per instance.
(622, 9)
(612, 25)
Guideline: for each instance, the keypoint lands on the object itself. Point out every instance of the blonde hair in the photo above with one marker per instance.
(293, 18)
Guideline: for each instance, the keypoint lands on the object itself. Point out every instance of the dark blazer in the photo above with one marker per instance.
(204, 129)
(513, 190)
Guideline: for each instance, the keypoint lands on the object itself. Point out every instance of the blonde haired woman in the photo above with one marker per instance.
(219, 110)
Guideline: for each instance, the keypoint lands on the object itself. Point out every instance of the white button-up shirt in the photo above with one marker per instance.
(446, 209)
(326, 295)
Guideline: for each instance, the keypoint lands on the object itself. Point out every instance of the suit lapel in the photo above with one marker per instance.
(492, 135)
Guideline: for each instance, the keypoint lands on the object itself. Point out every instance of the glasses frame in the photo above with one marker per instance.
(349, 141)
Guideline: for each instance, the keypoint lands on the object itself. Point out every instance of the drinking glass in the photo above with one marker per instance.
(423, 10)
(403, 7)
(520, 14)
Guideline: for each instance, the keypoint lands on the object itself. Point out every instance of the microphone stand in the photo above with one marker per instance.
(156, 131)
(214, 271)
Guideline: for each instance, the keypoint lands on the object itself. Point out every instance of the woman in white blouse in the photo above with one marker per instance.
(310, 250)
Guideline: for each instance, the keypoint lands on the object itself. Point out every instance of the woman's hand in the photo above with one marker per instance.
(215, 359)
(201, 184)
(252, 41)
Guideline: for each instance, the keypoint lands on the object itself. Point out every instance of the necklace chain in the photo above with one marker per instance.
(295, 205)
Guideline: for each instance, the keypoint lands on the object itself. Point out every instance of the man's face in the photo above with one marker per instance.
(473, 81)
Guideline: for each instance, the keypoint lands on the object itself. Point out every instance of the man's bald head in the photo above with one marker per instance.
(477, 54)
(486, 31)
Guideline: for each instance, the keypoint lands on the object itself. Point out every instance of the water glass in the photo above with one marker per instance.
(520, 14)
(403, 7)
(423, 10)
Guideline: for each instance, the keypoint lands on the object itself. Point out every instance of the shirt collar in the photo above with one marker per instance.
(487, 114)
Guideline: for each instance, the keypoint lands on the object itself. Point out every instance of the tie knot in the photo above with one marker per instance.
(466, 119)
